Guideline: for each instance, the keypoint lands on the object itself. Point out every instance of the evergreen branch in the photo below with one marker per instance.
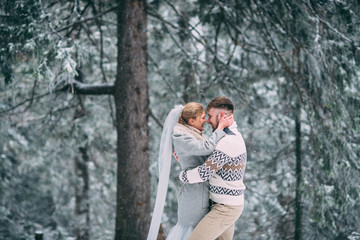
(164, 78)
(165, 23)
(86, 19)
(74, 88)
(78, 18)
(338, 32)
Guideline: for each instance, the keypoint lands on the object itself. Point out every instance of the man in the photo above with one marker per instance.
(224, 169)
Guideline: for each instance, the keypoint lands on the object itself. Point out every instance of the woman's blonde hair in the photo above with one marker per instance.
(191, 110)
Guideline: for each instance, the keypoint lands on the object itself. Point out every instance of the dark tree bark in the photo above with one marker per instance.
(131, 99)
(298, 206)
(82, 206)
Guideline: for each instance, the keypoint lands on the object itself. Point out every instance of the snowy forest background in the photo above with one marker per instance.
(78, 75)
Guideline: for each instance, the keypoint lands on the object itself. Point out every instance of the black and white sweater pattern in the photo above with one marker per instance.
(224, 169)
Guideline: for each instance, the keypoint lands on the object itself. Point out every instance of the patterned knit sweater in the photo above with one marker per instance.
(224, 169)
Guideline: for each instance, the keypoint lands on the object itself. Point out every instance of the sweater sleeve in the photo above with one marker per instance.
(195, 147)
(203, 172)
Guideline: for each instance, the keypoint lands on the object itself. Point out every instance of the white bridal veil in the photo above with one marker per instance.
(165, 155)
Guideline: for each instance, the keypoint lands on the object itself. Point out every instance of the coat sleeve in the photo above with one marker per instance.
(191, 146)
(203, 172)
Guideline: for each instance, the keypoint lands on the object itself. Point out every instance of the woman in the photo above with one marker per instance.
(192, 149)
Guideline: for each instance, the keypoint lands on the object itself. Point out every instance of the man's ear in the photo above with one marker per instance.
(191, 121)
(220, 115)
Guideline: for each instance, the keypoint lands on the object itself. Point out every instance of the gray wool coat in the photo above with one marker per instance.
(192, 149)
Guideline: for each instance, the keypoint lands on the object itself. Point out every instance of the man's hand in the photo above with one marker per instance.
(225, 120)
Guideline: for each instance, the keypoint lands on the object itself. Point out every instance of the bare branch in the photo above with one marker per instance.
(31, 99)
(158, 122)
(86, 20)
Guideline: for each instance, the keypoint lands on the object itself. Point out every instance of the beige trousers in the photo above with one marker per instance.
(218, 223)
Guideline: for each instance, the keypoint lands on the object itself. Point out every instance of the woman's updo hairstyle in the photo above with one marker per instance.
(191, 110)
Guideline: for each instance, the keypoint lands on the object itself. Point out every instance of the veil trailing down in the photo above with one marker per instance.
(164, 160)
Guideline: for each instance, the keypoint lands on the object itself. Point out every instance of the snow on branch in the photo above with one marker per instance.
(88, 89)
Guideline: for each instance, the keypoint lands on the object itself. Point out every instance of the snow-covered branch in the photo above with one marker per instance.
(88, 89)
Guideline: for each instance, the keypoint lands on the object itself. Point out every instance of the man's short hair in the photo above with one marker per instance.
(221, 103)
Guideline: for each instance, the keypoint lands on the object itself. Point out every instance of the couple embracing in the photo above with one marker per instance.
(212, 198)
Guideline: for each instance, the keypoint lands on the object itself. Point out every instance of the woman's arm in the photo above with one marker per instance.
(189, 145)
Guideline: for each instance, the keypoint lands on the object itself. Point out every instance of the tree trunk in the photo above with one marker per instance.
(298, 207)
(186, 64)
(82, 206)
(131, 99)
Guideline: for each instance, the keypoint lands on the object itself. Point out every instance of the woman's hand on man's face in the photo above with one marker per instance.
(225, 120)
